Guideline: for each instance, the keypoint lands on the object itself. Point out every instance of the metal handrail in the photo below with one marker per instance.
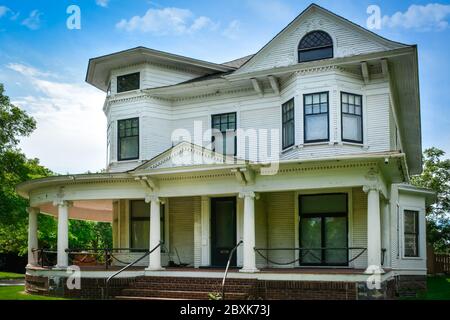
(105, 293)
(228, 266)
(305, 251)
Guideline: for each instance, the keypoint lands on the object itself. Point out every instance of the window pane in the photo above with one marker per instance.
(351, 128)
(324, 108)
(308, 109)
(140, 209)
(129, 147)
(288, 123)
(316, 108)
(310, 231)
(351, 99)
(410, 222)
(345, 108)
(411, 245)
(316, 127)
(344, 98)
(316, 98)
(336, 237)
(351, 108)
(358, 100)
(315, 54)
(140, 234)
(308, 99)
(323, 98)
(332, 203)
(128, 82)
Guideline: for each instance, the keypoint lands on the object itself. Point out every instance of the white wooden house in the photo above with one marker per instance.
(316, 137)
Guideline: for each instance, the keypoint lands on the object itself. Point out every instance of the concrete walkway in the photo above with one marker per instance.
(11, 282)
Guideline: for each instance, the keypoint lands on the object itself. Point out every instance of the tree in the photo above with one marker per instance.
(436, 176)
(16, 168)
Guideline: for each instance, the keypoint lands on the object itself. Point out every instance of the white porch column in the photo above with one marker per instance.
(63, 233)
(32, 236)
(249, 234)
(155, 233)
(373, 229)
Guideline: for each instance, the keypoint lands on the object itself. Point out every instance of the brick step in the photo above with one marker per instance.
(147, 298)
(178, 294)
(213, 281)
(187, 286)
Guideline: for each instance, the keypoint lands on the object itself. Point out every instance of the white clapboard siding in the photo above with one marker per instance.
(281, 226)
(153, 75)
(182, 211)
(283, 51)
(378, 122)
(359, 228)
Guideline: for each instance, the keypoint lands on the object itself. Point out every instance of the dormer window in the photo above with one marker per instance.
(128, 82)
(316, 45)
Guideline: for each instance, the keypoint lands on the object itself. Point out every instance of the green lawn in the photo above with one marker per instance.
(10, 275)
(438, 289)
(18, 293)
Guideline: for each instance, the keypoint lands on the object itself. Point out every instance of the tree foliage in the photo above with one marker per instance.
(16, 168)
(436, 176)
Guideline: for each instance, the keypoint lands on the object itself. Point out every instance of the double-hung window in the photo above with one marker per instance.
(128, 139)
(224, 133)
(128, 82)
(316, 106)
(351, 116)
(287, 110)
(140, 224)
(411, 233)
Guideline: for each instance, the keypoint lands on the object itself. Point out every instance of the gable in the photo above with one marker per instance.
(348, 40)
(186, 154)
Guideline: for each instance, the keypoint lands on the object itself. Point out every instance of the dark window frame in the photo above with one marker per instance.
(224, 132)
(131, 219)
(284, 122)
(301, 49)
(415, 233)
(353, 114)
(322, 227)
(305, 115)
(119, 90)
(119, 158)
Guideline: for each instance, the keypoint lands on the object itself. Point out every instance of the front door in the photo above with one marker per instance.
(223, 230)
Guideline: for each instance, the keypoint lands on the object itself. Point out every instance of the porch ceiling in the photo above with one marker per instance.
(92, 210)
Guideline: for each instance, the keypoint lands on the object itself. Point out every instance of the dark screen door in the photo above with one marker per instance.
(223, 230)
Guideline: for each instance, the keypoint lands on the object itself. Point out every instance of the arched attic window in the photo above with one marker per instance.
(316, 45)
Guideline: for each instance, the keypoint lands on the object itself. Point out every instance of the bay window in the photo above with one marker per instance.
(351, 116)
(316, 118)
(128, 82)
(128, 139)
(287, 110)
(411, 233)
(224, 135)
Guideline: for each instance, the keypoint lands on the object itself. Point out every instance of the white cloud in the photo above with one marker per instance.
(33, 21)
(232, 30)
(102, 3)
(433, 16)
(165, 21)
(3, 10)
(71, 127)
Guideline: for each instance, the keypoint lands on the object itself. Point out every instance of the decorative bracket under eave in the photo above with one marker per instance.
(245, 176)
(148, 183)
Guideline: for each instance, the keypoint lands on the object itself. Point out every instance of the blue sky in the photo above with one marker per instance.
(43, 63)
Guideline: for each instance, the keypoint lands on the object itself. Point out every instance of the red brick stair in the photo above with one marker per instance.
(186, 288)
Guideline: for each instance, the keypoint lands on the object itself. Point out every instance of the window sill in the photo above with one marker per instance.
(125, 93)
(412, 258)
(354, 144)
(319, 143)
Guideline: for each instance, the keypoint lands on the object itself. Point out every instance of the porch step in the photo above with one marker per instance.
(178, 294)
(186, 288)
(148, 298)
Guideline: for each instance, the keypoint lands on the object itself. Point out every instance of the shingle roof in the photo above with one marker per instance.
(237, 63)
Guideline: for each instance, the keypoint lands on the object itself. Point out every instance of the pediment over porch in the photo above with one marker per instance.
(186, 154)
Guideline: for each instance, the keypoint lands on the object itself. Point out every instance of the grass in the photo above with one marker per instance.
(18, 293)
(10, 275)
(438, 289)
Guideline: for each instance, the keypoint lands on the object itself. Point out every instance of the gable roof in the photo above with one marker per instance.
(312, 7)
